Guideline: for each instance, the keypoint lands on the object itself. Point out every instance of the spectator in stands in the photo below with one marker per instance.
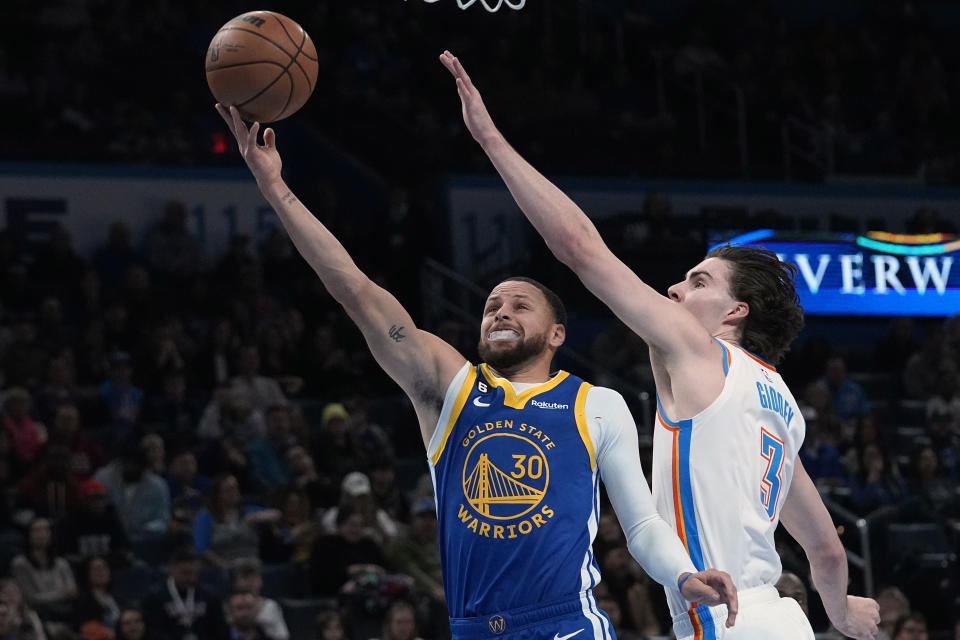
(86, 455)
(266, 453)
(609, 605)
(96, 602)
(227, 529)
(893, 606)
(935, 492)
(355, 491)
(49, 489)
(304, 476)
(893, 350)
(330, 626)
(93, 529)
(912, 626)
(630, 587)
(181, 608)
(350, 552)
(247, 578)
(140, 496)
(291, 538)
(170, 250)
(24, 621)
(920, 374)
(154, 453)
(386, 490)
(132, 625)
(173, 413)
(791, 586)
(400, 622)
(242, 617)
(417, 554)
(335, 450)
(945, 442)
(878, 491)
(187, 488)
(847, 397)
(213, 362)
(261, 391)
(230, 415)
(117, 255)
(121, 399)
(945, 400)
(59, 388)
(45, 578)
(819, 454)
(27, 434)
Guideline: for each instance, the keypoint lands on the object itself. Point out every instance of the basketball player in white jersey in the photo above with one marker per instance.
(515, 539)
(725, 445)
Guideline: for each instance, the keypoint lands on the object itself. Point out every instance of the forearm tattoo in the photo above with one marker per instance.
(288, 198)
(396, 333)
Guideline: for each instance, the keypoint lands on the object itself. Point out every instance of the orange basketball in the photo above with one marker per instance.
(264, 64)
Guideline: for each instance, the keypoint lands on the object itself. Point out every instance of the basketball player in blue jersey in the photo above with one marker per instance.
(515, 452)
(725, 466)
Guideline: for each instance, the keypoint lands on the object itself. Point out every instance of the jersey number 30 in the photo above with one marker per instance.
(771, 450)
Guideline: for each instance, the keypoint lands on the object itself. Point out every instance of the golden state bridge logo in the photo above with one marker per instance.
(505, 479)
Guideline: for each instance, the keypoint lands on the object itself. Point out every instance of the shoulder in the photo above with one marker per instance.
(603, 401)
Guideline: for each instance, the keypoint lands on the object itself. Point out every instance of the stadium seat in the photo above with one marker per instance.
(301, 614)
(285, 580)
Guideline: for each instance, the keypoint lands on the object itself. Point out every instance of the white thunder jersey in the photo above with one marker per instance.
(720, 478)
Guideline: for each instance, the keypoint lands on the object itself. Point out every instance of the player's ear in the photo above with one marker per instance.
(739, 312)
(557, 335)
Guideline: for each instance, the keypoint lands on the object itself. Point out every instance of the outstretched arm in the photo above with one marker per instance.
(650, 539)
(421, 363)
(574, 240)
(808, 521)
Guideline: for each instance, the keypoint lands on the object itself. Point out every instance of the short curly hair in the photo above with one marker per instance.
(766, 283)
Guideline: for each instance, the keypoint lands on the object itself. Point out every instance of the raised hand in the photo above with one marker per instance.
(712, 587)
(263, 160)
(475, 114)
(861, 620)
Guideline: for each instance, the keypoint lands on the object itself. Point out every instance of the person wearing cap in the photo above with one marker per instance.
(356, 491)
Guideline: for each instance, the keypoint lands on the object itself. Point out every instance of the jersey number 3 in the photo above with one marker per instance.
(771, 450)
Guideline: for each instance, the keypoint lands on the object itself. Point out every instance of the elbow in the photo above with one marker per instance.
(351, 292)
(576, 247)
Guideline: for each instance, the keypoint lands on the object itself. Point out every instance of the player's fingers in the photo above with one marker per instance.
(445, 60)
(238, 126)
(462, 73)
(733, 603)
(269, 138)
(252, 135)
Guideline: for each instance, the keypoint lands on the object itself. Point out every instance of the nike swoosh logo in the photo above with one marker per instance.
(477, 402)
(569, 635)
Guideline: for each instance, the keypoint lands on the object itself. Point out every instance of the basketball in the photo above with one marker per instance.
(264, 64)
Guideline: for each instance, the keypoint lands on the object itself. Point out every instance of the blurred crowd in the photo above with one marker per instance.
(602, 87)
(197, 449)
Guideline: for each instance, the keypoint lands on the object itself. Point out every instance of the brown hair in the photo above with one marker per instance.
(766, 283)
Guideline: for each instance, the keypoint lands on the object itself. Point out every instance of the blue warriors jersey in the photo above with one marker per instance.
(516, 481)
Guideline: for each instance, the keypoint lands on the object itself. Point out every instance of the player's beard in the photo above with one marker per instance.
(506, 360)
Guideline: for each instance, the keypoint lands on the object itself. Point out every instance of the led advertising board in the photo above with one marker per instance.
(875, 274)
